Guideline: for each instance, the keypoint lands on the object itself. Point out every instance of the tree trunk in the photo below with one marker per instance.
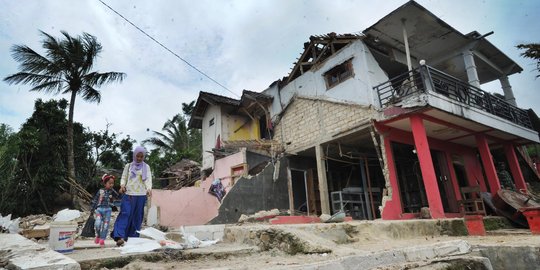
(70, 156)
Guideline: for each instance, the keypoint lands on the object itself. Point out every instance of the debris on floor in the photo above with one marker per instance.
(154, 239)
(8, 225)
(260, 216)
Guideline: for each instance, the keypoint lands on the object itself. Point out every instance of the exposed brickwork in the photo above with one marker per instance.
(308, 122)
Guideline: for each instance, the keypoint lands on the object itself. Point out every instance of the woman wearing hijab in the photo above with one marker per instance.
(136, 183)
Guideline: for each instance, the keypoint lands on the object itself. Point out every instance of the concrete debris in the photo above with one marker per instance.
(155, 239)
(260, 216)
(17, 252)
(8, 225)
(182, 174)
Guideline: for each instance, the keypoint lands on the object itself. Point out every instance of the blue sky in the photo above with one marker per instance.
(241, 44)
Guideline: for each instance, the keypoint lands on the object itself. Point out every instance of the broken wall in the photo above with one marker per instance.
(236, 127)
(210, 134)
(194, 205)
(308, 122)
(250, 195)
(357, 90)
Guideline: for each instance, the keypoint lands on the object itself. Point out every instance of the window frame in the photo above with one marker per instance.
(341, 72)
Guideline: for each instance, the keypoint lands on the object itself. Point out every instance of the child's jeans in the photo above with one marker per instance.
(103, 217)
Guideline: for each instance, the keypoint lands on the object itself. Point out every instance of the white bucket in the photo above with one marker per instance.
(62, 236)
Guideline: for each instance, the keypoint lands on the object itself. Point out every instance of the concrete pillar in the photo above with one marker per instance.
(426, 166)
(470, 67)
(507, 89)
(392, 208)
(453, 176)
(513, 162)
(406, 43)
(323, 184)
(474, 173)
(290, 189)
(487, 161)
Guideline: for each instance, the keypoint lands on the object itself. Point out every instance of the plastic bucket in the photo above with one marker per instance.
(62, 236)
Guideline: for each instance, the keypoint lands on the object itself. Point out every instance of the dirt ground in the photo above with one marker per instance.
(276, 259)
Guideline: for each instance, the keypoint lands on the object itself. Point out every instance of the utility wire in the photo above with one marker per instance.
(165, 47)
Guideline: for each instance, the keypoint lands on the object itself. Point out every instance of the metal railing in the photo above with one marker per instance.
(426, 79)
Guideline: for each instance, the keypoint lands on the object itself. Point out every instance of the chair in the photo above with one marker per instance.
(471, 202)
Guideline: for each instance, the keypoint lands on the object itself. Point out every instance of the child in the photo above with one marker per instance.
(101, 204)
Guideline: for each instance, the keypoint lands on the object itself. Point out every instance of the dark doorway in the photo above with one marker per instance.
(411, 184)
(444, 182)
(461, 173)
(299, 187)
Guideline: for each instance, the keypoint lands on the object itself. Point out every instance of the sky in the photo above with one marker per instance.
(239, 43)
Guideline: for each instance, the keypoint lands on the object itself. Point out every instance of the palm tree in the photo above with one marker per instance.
(174, 138)
(66, 68)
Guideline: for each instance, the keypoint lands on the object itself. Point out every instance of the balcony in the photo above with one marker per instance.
(427, 80)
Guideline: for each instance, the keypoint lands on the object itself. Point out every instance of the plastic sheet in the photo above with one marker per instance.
(67, 215)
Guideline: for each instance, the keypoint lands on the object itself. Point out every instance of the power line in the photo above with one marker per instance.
(169, 50)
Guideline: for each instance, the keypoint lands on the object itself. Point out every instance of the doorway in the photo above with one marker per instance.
(444, 181)
(299, 187)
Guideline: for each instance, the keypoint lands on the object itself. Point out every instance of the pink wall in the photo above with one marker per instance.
(194, 205)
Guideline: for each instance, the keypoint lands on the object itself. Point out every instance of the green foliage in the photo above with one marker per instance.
(8, 169)
(532, 51)
(65, 68)
(33, 160)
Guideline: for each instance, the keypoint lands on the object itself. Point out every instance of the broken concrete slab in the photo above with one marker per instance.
(454, 262)
(393, 257)
(203, 232)
(39, 231)
(22, 253)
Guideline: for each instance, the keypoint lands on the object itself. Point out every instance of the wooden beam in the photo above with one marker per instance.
(323, 184)
(291, 196)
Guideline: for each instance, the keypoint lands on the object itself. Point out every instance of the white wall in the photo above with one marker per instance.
(358, 89)
(210, 134)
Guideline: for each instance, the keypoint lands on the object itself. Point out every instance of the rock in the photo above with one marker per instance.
(243, 218)
(325, 217)
(424, 213)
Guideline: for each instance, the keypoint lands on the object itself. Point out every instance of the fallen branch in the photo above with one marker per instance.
(85, 195)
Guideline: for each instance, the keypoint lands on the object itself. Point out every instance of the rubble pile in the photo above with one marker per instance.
(35, 226)
(261, 216)
(182, 174)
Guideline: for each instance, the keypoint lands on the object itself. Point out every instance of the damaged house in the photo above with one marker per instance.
(379, 124)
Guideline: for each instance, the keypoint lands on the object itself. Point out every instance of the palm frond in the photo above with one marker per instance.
(90, 94)
(50, 87)
(32, 62)
(54, 50)
(98, 79)
(35, 80)
(92, 48)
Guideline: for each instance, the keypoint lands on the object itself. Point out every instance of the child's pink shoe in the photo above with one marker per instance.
(102, 242)
(96, 240)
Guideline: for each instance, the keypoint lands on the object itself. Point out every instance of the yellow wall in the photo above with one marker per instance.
(248, 131)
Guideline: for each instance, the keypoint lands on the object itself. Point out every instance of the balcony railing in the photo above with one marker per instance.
(426, 79)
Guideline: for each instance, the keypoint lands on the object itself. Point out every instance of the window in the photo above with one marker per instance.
(338, 74)
(211, 122)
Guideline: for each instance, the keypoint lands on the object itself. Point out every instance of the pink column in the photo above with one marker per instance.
(426, 166)
(392, 208)
(487, 161)
(453, 176)
(514, 166)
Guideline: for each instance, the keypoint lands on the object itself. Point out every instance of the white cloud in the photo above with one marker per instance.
(242, 44)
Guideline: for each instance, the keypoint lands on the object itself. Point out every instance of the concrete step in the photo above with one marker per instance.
(22, 253)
